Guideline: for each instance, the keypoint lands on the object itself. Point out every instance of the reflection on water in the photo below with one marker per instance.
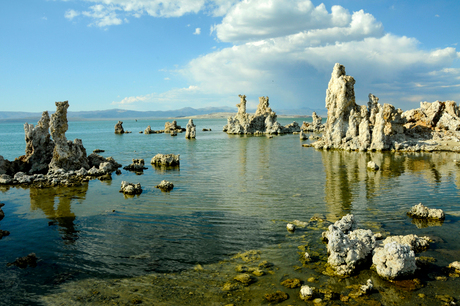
(56, 205)
(231, 194)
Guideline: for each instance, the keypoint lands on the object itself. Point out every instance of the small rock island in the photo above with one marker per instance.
(262, 122)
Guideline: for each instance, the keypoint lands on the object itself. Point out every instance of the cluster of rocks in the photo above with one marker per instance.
(349, 248)
(170, 128)
(375, 127)
(262, 122)
(421, 211)
(50, 159)
(119, 128)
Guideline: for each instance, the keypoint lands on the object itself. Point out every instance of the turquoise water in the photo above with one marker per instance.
(231, 194)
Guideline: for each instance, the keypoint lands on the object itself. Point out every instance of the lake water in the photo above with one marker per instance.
(232, 194)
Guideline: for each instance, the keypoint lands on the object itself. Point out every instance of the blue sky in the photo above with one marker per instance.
(163, 55)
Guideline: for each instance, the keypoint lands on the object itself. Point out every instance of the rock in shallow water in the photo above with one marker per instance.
(394, 260)
(130, 188)
(421, 211)
(165, 185)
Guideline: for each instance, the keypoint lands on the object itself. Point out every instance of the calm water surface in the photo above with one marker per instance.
(231, 194)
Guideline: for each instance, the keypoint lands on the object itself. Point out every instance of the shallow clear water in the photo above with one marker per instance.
(231, 194)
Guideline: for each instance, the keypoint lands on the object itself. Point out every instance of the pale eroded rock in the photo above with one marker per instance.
(190, 130)
(394, 260)
(421, 211)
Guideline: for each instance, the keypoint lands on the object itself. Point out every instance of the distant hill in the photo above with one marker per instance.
(129, 114)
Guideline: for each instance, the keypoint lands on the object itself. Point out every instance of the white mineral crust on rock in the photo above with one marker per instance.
(347, 248)
(376, 127)
(373, 166)
(417, 244)
(368, 287)
(165, 185)
(130, 188)
(262, 122)
(421, 211)
(290, 227)
(67, 155)
(394, 260)
(166, 159)
(190, 130)
(306, 293)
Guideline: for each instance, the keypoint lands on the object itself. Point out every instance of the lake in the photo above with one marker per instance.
(232, 194)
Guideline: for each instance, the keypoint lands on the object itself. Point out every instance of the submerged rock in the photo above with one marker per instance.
(245, 279)
(190, 130)
(166, 159)
(291, 283)
(23, 262)
(394, 260)
(376, 127)
(421, 211)
(277, 297)
(119, 128)
(262, 122)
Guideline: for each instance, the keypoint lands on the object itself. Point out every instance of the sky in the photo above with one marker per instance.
(164, 55)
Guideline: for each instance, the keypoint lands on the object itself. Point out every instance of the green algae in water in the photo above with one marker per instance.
(131, 250)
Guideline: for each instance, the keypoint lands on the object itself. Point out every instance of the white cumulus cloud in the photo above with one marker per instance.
(197, 31)
(71, 14)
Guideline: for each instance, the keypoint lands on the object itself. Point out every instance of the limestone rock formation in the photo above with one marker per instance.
(416, 244)
(130, 188)
(173, 128)
(165, 185)
(137, 165)
(166, 159)
(39, 146)
(421, 211)
(394, 260)
(306, 293)
(262, 122)
(119, 128)
(148, 130)
(57, 161)
(348, 248)
(371, 165)
(316, 126)
(376, 127)
(67, 155)
(190, 130)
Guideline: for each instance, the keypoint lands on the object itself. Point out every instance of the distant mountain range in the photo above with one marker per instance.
(129, 114)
